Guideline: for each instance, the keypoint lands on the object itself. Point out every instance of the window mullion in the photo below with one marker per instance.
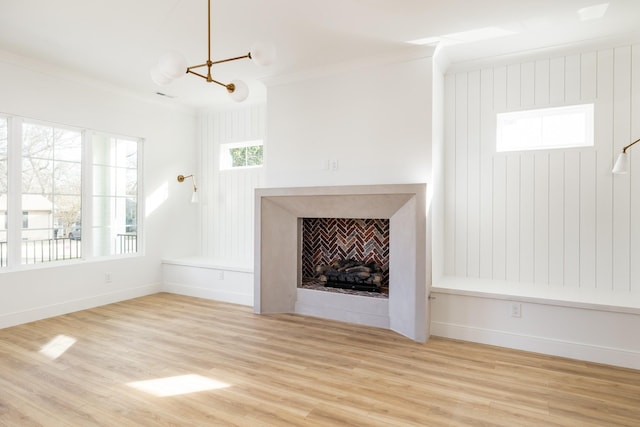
(87, 194)
(14, 193)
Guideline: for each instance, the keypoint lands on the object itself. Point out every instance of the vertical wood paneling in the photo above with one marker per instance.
(588, 76)
(621, 184)
(512, 225)
(462, 168)
(450, 167)
(527, 85)
(500, 89)
(487, 148)
(634, 177)
(555, 217)
(499, 217)
(572, 218)
(587, 219)
(473, 177)
(604, 163)
(541, 218)
(227, 209)
(542, 88)
(527, 223)
(572, 79)
(556, 81)
(513, 86)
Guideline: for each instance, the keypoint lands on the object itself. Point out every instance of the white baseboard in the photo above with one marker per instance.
(43, 312)
(212, 294)
(573, 350)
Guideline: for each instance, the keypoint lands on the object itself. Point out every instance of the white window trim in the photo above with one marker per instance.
(225, 147)
(587, 109)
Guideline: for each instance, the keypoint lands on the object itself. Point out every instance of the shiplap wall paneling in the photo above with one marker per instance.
(634, 178)
(553, 217)
(449, 174)
(473, 173)
(462, 175)
(572, 224)
(512, 218)
(498, 198)
(621, 183)
(228, 211)
(541, 202)
(604, 192)
(487, 144)
(527, 218)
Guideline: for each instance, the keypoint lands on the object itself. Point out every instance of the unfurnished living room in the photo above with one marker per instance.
(320, 213)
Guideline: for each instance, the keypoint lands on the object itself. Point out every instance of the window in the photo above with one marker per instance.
(115, 195)
(65, 193)
(241, 155)
(545, 128)
(51, 191)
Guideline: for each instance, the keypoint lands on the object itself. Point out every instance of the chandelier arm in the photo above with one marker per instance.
(248, 55)
(189, 71)
(197, 66)
(209, 31)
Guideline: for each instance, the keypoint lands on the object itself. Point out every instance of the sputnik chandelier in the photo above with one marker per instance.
(172, 65)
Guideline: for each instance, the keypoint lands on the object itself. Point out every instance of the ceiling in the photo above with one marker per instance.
(119, 41)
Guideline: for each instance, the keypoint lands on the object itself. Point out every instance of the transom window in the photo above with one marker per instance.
(241, 154)
(545, 128)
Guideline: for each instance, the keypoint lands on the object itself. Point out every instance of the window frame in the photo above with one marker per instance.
(226, 147)
(15, 215)
(587, 110)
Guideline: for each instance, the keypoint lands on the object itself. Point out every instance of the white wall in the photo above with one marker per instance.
(552, 227)
(42, 92)
(374, 120)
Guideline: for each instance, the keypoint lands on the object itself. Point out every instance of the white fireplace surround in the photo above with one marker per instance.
(279, 212)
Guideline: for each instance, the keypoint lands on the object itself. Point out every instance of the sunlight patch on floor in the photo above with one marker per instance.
(174, 386)
(57, 346)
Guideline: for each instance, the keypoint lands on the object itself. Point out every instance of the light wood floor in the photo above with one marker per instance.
(273, 370)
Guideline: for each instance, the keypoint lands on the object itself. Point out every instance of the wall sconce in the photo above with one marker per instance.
(622, 164)
(194, 197)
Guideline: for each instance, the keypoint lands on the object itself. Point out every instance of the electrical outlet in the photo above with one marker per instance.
(107, 278)
(333, 165)
(220, 275)
(516, 309)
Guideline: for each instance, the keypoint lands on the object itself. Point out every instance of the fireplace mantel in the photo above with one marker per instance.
(277, 252)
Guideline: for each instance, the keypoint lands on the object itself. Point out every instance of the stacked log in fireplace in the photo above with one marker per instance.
(351, 274)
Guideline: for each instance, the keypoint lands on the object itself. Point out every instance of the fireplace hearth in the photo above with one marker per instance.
(280, 213)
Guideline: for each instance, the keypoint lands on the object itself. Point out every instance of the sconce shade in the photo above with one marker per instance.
(194, 197)
(622, 164)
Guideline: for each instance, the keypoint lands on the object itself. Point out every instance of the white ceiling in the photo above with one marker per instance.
(118, 41)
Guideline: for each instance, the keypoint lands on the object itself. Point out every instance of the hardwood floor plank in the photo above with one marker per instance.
(281, 370)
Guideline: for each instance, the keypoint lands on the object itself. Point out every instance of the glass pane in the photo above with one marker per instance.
(68, 145)
(68, 178)
(238, 157)
(130, 150)
(37, 176)
(132, 182)
(37, 141)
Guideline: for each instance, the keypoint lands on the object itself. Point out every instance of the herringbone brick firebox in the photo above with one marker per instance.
(325, 240)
